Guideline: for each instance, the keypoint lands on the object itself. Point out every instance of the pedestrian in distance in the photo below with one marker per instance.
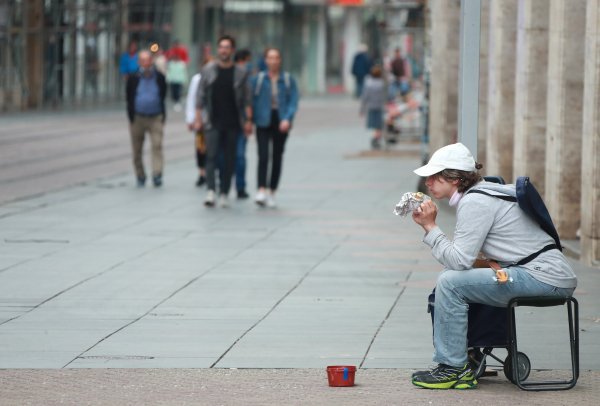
(361, 66)
(242, 59)
(199, 139)
(176, 77)
(373, 102)
(489, 221)
(128, 63)
(160, 60)
(274, 103)
(180, 51)
(401, 74)
(146, 91)
(223, 109)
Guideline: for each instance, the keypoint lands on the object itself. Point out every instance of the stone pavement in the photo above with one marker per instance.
(104, 275)
(262, 387)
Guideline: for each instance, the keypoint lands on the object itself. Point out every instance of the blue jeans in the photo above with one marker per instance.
(359, 87)
(456, 289)
(240, 162)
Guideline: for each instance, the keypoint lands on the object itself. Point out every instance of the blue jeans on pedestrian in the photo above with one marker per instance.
(359, 87)
(456, 289)
(240, 162)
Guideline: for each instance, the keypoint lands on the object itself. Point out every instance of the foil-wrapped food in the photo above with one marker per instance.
(410, 202)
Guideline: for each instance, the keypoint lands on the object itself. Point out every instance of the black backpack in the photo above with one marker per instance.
(530, 201)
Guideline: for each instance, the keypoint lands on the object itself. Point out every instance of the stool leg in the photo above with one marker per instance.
(512, 344)
(573, 315)
(572, 307)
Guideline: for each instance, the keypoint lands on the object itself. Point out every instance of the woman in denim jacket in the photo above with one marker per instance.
(274, 104)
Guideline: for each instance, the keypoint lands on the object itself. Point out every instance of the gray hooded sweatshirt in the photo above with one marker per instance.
(502, 232)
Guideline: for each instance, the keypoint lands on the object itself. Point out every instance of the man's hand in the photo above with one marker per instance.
(248, 127)
(284, 126)
(190, 126)
(425, 215)
(198, 124)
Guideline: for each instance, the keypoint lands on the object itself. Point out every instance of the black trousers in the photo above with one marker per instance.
(200, 144)
(176, 92)
(265, 137)
(225, 142)
(200, 159)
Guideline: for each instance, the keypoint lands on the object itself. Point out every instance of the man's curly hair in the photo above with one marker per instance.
(466, 179)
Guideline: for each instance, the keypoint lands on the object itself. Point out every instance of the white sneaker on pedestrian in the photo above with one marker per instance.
(261, 198)
(209, 201)
(223, 201)
(271, 202)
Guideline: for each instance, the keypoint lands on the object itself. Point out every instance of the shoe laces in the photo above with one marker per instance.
(445, 371)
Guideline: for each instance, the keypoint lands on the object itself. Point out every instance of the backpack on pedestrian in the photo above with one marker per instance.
(261, 77)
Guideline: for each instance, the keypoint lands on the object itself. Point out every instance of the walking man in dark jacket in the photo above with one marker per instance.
(146, 91)
(223, 110)
(361, 66)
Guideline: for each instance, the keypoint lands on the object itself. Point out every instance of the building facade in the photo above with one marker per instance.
(65, 53)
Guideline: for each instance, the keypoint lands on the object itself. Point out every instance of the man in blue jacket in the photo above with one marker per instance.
(361, 66)
(146, 91)
(128, 63)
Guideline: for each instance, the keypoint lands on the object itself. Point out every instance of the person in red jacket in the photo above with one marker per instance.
(180, 51)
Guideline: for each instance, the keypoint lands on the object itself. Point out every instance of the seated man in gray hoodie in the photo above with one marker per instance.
(499, 230)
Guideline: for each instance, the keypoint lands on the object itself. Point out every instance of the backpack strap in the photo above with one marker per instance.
(535, 254)
(259, 80)
(512, 199)
(286, 80)
(261, 77)
(502, 197)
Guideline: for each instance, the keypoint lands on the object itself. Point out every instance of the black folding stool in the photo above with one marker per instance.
(573, 312)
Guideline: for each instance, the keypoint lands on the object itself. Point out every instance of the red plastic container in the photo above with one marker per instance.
(341, 375)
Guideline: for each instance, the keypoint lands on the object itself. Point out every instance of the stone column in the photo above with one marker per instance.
(530, 92)
(352, 39)
(501, 88)
(314, 43)
(483, 84)
(34, 52)
(564, 114)
(445, 34)
(183, 22)
(590, 179)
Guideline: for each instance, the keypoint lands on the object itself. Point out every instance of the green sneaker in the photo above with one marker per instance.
(446, 377)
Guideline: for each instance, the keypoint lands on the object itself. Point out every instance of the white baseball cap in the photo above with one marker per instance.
(453, 156)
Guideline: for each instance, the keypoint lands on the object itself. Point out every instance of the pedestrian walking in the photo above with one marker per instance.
(178, 50)
(373, 102)
(401, 73)
(274, 103)
(490, 223)
(128, 63)
(242, 59)
(223, 109)
(160, 61)
(199, 139)
(176, 77)
(361, 66)
(146, 91)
